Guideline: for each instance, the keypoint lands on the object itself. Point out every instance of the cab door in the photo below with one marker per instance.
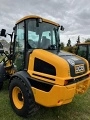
(19, 47)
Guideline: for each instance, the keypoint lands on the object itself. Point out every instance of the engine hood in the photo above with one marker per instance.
(77, 65)
(64, 64)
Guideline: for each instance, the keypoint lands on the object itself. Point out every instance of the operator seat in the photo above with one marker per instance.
(45, 42)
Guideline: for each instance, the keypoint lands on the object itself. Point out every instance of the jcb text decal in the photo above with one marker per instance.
(79, 68)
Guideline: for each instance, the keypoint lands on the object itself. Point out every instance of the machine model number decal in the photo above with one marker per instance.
(79, 68)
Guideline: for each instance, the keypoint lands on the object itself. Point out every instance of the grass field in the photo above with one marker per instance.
(78, 109)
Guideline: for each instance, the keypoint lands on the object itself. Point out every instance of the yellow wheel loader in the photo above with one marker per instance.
(38, 71)
(83, 50)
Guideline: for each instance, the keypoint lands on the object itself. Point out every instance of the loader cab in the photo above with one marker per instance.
(83, 50)
(31, 33)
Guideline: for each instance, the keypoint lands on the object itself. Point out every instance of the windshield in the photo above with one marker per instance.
(45, 35)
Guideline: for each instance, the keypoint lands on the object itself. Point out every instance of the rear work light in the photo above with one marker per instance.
(66, 82)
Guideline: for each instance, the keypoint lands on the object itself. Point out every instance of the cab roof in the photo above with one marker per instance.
(85, 43)
(34, 16)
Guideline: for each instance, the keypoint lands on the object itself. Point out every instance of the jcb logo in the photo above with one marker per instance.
(79, 68)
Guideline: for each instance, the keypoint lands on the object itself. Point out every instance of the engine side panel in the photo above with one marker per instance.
(48, 67)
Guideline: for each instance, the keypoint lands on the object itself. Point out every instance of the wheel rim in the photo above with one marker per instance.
(17, 97)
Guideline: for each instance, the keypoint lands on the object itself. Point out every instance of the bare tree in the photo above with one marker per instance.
(69, 43)
(78, 40)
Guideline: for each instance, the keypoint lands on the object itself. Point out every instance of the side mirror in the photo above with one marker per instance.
(62, 28)
(3, 33)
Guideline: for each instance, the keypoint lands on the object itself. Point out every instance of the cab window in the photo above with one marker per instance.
(82, 51)
(19, 47)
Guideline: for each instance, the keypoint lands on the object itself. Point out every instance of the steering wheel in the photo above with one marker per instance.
(32, 43)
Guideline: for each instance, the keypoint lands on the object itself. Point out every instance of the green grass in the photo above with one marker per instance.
(78, 109)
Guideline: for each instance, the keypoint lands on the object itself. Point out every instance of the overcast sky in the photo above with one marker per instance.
(74, 15)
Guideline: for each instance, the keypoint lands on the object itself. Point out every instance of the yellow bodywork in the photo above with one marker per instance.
(59, 93)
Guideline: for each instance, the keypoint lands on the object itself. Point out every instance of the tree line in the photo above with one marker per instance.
(71, 48)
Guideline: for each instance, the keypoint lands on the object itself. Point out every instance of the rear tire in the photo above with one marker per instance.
(21, 97)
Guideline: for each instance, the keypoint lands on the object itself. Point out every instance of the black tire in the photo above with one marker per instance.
(1, 85)
(21, 97)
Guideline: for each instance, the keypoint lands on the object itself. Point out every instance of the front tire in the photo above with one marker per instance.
(21, 97)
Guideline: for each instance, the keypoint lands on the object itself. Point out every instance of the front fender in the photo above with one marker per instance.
(23, 75)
